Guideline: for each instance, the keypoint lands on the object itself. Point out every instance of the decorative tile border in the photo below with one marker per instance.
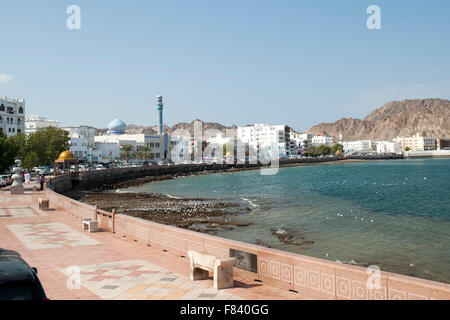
(263, 267)
(300, 276)
(275, 271)
(343, 288)
(360, 290)
(49, 235)
(327, 283)
(313, 279)
(397, 294)
(287, 273)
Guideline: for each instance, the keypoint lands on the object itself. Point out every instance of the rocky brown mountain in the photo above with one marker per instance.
(134, 129)
(430, 117)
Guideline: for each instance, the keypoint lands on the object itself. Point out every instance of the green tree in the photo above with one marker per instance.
(337, 147)
(324, 150)
(144, 153)
(407, 149)
(147, 152)
(140, 155)
(8, 152)
(19, 143)
(47, 144)
(30, 160)
(312, 151)
(127, 152)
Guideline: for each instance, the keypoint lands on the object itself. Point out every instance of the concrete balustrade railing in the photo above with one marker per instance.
(312, 278)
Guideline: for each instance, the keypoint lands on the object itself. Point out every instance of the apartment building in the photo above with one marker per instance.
(416, 143)
(12, 116)
(321, 139)
(267, 141)
(35, 122)
(360, 146)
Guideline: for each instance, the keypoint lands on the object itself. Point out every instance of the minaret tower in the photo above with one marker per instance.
(160, 107)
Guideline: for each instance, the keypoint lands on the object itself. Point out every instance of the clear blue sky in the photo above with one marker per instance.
(235, 62)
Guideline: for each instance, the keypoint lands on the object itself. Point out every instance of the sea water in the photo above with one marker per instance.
(394, 214)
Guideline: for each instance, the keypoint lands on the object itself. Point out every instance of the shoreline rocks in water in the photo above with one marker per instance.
(201, 215)
(288, 237)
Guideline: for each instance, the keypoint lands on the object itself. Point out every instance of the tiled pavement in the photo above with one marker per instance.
(20, 212)
(49, 235)
(104, 265)
(137, 279)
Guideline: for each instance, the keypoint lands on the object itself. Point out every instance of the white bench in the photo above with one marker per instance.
(90, 225)
(202, 263)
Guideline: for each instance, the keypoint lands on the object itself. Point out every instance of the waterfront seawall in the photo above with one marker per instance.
(312, 278)
(91, 179)
(427, 154)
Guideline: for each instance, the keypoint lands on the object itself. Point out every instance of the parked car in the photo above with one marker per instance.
(3, 182)
(18, 281)
(44, 171)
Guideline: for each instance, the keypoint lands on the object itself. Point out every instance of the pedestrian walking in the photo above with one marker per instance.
(42, 181)
(27, 177)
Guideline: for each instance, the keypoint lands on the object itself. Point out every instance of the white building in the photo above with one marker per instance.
(81, 141)
(214, 148)
(79, 147)
(12, 116)
(360, 146)
(159, 144)
(389, 147)
(299, 141)
(264, 138)
(417, 143)
(155, 142)
(86, 132)
(106, 151)
(35, 122)
(320, 139)
(219, 139)
(182, 148)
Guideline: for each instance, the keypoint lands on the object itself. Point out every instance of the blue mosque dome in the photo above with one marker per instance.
(117, 126)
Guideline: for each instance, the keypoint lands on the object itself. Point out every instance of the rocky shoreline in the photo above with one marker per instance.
(200, 214)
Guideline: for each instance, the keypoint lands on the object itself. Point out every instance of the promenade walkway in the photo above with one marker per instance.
(109, 266)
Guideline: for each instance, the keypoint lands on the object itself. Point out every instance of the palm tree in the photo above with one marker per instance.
(145, 152)
(127, 152)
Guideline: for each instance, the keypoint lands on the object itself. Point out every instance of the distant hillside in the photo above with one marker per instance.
(134, 129)
(205, 126)
(430, 117)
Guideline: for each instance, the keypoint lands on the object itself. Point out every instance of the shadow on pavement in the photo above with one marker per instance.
(240, 284)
